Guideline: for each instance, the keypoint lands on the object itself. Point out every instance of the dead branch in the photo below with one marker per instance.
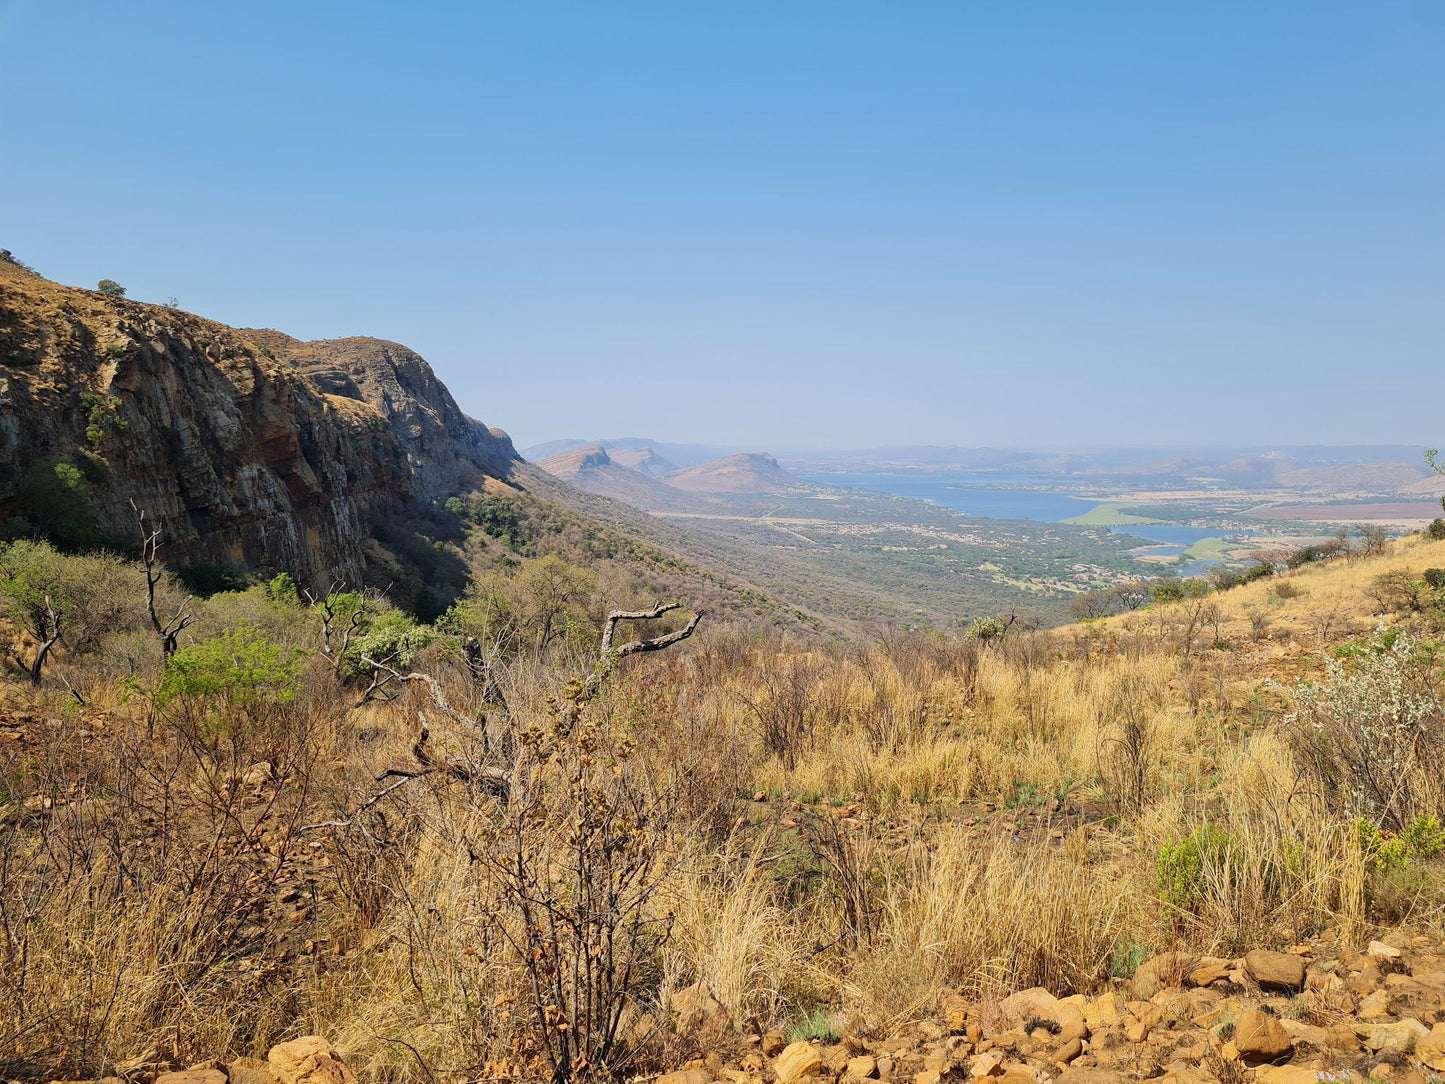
(150, 543)
(609, 630)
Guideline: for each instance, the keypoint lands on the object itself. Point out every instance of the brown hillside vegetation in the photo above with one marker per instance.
(1200, 841)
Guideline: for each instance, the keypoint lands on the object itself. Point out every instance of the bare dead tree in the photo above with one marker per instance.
(327, 607)
(499, 769)
(52, 636)
(609, 630)
(150, 543)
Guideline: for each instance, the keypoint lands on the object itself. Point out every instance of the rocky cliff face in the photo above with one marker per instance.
(248, 448)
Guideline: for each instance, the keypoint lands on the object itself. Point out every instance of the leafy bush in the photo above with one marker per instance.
(240, 667)
(1436, 530)
(110, 288)
(1181, 866)
(1422, 839)
(393, 638)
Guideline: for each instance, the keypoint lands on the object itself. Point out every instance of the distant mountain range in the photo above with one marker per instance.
(640, 476)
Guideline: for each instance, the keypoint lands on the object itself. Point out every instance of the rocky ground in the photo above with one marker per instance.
(1321, 1012)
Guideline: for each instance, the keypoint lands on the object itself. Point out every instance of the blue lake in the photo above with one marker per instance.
(997, 499)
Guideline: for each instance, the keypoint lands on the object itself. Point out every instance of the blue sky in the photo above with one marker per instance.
(780, 223)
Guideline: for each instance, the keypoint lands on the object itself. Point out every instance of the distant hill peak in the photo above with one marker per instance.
(750, 472)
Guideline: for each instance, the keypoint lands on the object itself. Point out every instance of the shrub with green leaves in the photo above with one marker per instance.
(1422, 839)
(392, 638)
(1370, 738)
(229, 683)
(1183, 866)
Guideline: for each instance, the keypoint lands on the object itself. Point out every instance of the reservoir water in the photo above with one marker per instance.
(1018, 497)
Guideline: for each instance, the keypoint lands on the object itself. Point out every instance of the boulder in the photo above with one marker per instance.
(1168, 969)
(1261, 1038)
(308, 1060)
(1275, 970)
(1397, 1038)
(699, 1014)
(798, 1061)
(863, 1067)
(1430, 1049)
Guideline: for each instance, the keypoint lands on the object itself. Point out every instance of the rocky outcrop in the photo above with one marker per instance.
(270, 454)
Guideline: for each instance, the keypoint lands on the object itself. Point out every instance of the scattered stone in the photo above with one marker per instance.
(1288, 1074)
(773, 1043)
(250, 1071)
(686, 1076)
(863, 1067)
(955, 1010)
(1089, 1076)
(1430, 1049)
(798, 1061)
(193, 1076)
(1260, 1038)
(1161, 972)
(1384, 951)
(700, 1015)
(308, 1060)
(985, 1066)
(1067, 1052)
(1397, 1038)
(1275, 970)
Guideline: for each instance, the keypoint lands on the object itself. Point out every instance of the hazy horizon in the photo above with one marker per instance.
(776, 226)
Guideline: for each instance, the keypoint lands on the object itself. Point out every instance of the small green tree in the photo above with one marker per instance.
(35, 596)
(110, 288)
(55, 497)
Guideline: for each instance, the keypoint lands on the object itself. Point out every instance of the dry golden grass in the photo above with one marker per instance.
(929, 813)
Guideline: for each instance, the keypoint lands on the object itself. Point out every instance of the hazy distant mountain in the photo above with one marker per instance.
(749, 473)
(644, 460)
(681, 455)
(591, 467)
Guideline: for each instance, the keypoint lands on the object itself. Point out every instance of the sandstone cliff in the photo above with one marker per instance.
(248, 448)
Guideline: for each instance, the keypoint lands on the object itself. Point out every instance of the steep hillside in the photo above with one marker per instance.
(247, 449)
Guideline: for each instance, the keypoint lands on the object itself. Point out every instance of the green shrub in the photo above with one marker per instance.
(110, 288)
(1182, 866)
(392, 638)
(1420, 840)
(1436, 530)
(282, 588)
(230, 679)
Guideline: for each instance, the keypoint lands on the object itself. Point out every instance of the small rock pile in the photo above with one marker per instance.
(1319, 1013)
(307, 1060)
